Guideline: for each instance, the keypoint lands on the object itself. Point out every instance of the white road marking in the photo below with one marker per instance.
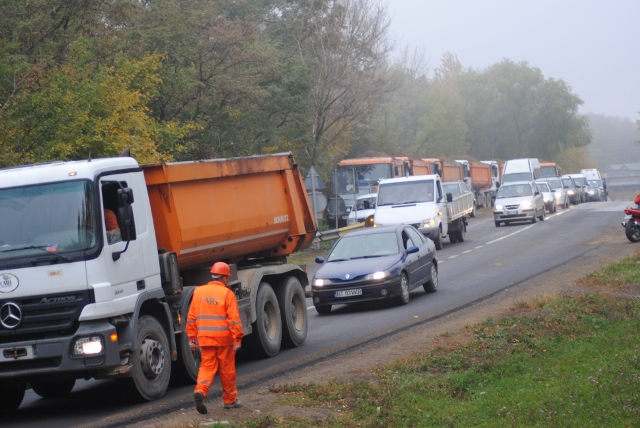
(453, 257)
(468, 251)
(479, 246)
(511, 234)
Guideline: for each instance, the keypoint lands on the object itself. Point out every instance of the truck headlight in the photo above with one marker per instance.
(377, 275)
(429, 223)
(92, 346)
(321, 282)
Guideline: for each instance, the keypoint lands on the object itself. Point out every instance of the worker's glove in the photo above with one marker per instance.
(236, 346)
(193, 344)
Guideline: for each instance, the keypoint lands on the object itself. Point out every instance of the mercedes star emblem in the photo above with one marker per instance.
(10, 315)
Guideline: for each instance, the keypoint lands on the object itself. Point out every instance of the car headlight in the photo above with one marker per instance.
(546, 199)
(527, 205)
(570, 192)
(321, 282)
(499, 207)
(429, 223)
(92, 346)
(591, 192)
(377, 275)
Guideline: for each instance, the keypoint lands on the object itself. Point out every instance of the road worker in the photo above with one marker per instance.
(214, 326)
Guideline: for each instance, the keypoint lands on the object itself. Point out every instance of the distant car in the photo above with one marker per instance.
(337, 213)
(581, 184)
(562, 198)
(548, 196)
(457, 188)
(375, 264)
(518, 201)
(365, 206)
(593, 191)
(573, 190)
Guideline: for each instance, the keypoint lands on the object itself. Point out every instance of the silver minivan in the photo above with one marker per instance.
(518, 201)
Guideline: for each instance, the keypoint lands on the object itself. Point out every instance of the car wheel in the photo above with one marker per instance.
(497, 224)
(555, 208)
(543, 216)
(473, 212)
(438, 241)
(432, 285)
(403, 298)
(535, 217)
(323, 310)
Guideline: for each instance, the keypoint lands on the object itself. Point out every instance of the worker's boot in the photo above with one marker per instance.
(200, 407)
(233, 405)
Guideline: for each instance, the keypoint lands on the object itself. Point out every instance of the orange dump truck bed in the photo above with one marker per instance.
(480, 175)
(229, 209)
(448, 170)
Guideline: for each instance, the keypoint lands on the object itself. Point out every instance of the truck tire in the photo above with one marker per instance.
(432, 285)
(53, 389)
(267, 329)
(11, 395)
(460, 233)
(438, 241)
(151, 363)
(184, 369)
(293, 311)
(453, 236)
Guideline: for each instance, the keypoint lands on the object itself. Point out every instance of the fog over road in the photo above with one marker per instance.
(489, 261)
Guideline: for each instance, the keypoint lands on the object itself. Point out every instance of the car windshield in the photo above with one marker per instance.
(543, 187)
(555, 184)
(567, 182)
(405, 192)
(514, 191)
(372, 245)
(580, 180)
(452, 188)
(595, 183)
(46, 218)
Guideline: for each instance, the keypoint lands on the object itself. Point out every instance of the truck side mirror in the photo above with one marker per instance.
(125, 219)
(449, 197)
(498, 185)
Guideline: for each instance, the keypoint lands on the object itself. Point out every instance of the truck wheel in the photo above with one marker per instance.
(453, 237)
(52, 389)
(11, 395)
(323, 310)
(438, 241)
(184, 369)
(404, 296)
(151, 363)
(268, 325)
(293, 311)
(461, 233)
(432, 285)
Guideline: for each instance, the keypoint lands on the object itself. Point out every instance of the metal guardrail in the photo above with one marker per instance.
(330, 235)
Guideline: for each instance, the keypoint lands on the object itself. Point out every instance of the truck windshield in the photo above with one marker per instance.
(549, 171)
(409, 192)
(46, 218)
(514, 191)
(366, 175)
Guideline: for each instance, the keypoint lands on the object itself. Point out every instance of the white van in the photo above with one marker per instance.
(527, 169)
(591, 174)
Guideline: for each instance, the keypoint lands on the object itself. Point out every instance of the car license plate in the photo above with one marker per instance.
(511, 212)
(348, 293)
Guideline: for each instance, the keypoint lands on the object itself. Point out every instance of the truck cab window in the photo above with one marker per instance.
(110, 208)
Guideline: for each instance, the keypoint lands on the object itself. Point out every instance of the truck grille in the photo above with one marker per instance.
(45, 316)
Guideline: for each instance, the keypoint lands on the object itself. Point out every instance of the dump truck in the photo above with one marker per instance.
(359, 176)
(447, 170)
(479, 178)
(80, 301)
(550, 169)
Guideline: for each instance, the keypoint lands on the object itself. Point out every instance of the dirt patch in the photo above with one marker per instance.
(357, 365)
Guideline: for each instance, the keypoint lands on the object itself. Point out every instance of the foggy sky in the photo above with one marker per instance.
(592, 45)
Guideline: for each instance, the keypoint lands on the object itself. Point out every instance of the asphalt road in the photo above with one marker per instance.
(490, 260)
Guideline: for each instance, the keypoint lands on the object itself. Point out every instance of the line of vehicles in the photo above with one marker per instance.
(390, 259)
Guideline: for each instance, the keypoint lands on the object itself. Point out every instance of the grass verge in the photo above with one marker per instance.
(564, 361)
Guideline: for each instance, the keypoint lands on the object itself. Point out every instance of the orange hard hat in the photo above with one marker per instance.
(220, 268)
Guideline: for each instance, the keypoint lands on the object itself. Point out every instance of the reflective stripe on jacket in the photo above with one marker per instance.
(213, 316)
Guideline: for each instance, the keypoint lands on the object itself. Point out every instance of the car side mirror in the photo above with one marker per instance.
(449, 197)
(319, 260)
(412, 249)
(537, 193)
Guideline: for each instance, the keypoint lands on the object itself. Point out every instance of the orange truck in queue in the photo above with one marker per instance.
(447, 170)
(118, 309)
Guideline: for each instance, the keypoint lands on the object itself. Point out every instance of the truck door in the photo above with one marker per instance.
(124, 279)
(442, 207)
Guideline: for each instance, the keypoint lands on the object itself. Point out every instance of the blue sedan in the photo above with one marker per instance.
(375, 264)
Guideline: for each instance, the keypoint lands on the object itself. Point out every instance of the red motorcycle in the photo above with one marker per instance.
(631, 224)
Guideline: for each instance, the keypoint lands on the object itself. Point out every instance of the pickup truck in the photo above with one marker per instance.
(421, 202)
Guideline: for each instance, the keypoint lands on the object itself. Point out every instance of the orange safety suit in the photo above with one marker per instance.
(214, 321)
(110, 220)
